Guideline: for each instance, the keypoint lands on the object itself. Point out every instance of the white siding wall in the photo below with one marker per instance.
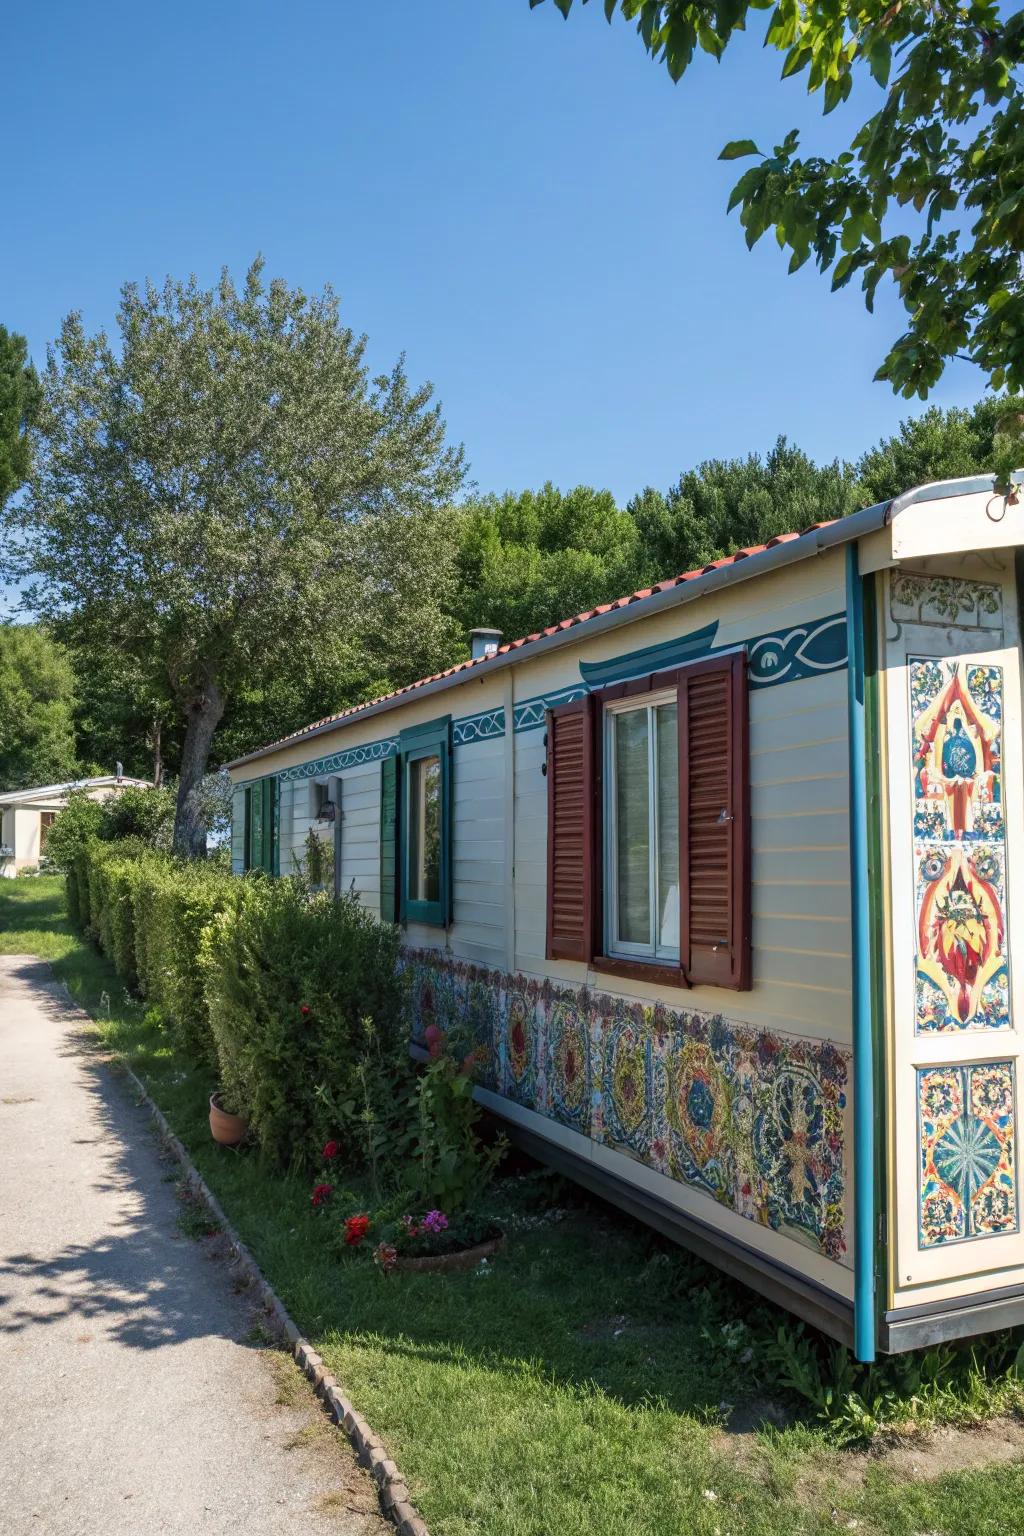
(481, 888)
(360, 834)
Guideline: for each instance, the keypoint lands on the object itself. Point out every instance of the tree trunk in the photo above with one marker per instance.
(202, 713)
(158, 761)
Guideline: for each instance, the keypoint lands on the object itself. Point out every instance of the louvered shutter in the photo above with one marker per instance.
(389, 840)
(714, 818)
(572, 864)
(256, 824)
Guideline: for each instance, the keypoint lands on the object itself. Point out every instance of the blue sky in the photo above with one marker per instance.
(527, 207)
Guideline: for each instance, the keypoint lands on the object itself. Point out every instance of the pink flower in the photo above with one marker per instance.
(435, 1221)
(321, 1194)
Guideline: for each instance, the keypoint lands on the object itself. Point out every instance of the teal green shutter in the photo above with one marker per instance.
(271, 813)
(388, 839)
(256, 824)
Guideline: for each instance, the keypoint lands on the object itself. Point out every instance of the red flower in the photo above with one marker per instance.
(304, 1010)
(321, 1194)
(330, 1150)
(356, 1228)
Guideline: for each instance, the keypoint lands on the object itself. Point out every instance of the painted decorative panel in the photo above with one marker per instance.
(945, 601)
(753, 1120)
(966, 1118)
(959, 846)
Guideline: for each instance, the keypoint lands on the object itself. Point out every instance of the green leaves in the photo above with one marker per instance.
(947, 140)
(738, 148)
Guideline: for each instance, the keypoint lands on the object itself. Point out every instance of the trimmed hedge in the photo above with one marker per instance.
(295, 1000)
(307, 1010)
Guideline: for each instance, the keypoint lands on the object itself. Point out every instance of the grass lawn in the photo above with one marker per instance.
(582, 1383)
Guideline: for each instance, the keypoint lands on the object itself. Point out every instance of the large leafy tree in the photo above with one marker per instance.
(19, 397)
(37, 699)
(937, 445)
(727, 504)
(930, 191)
(527, 559)
(217, 491)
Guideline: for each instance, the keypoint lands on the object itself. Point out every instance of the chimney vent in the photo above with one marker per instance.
(483, 642)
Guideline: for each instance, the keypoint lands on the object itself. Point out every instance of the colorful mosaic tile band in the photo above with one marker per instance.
(755, 1121)
(968, 1162)
(959, 847)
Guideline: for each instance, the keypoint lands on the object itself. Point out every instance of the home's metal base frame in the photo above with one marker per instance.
(938, 1322)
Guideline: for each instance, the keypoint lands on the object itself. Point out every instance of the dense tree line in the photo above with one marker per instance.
(72, 699)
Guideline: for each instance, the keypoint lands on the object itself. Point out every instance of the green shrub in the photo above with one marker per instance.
(308, 1017)
(146, 814)
(175, 901)
(72, 828)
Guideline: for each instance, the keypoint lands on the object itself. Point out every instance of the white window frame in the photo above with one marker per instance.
(654, 952)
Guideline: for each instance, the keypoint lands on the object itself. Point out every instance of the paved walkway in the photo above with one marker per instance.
(130, 1402)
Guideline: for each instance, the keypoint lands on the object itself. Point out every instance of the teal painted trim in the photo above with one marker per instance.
(863, 1043)
(337, 762)
(653, 658)
(785, 656)
(530, 714)
(487, 726)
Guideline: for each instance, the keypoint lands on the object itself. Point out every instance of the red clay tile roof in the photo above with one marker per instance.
(552, 629)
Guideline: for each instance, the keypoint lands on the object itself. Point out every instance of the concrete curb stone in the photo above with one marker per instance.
(392, 1492)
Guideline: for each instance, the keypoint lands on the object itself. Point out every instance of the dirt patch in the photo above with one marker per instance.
(945, 1450)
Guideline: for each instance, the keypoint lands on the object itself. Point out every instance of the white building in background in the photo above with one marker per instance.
(26, 816)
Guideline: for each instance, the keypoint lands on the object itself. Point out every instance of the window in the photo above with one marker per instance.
(46, 821)
(425, 828)
(648, 839)
(642, 820)
(415, 850)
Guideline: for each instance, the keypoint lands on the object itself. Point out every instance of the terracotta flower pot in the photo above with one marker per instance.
(465, 1258)
(225, 1128)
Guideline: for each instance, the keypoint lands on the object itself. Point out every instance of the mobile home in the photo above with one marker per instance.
(724, 874)
(26, 816)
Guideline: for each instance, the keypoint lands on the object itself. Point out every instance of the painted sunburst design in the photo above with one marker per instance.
(966, 1156)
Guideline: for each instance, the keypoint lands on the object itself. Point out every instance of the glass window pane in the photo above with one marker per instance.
(668, 828)
(632, 827)
(425, 829)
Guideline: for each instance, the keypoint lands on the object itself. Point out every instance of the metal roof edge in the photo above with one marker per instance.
(787, 552)
(938, 490)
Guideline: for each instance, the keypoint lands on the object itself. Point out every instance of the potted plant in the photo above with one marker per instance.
(226, 1127)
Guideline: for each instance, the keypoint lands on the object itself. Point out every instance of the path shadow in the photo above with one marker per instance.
(137, 1275)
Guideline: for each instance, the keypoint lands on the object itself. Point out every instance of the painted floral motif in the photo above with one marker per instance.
(754, 1121)
(968, 1159)
(519, 1049)
(697, 1109)
(569, 1069)
(946, 600)
(959, 847)
(629, 1086)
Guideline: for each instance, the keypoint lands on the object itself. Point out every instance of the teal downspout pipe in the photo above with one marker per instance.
(863, 1044)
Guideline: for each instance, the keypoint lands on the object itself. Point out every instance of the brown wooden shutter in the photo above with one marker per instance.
(714, 823)
(572, 862)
